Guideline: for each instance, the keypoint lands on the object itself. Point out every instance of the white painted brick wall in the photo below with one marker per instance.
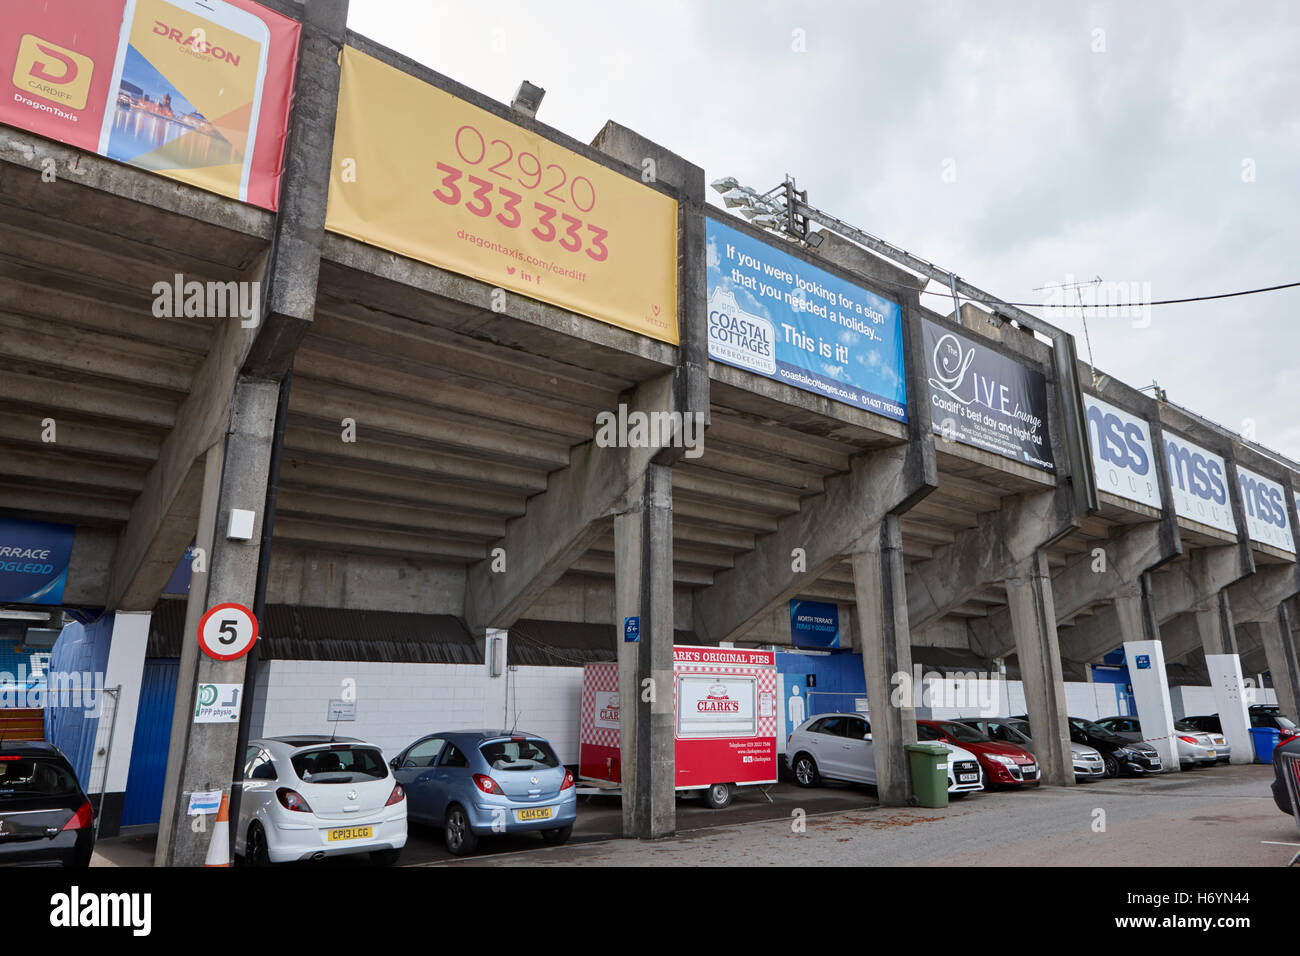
(398, 703)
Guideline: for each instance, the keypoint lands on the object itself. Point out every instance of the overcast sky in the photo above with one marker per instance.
(1016, 144)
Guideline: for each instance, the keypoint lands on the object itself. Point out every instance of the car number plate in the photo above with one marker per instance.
(968, 777)
(349, 833)
(1210, 753)
(534, 813)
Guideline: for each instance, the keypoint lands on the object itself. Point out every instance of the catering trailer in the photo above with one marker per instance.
(724, 721)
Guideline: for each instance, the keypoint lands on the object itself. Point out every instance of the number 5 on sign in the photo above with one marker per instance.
(227, 632)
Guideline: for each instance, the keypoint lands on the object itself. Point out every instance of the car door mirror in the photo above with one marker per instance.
(395, 763)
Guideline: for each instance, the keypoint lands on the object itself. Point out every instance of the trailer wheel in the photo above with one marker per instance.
(718, 795)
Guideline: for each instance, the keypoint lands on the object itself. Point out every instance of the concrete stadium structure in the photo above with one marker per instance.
(474, 443)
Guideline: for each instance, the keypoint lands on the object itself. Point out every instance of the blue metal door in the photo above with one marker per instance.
(153, 730)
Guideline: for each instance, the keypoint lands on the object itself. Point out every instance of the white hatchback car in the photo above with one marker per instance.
(839, 747)
(309, 797)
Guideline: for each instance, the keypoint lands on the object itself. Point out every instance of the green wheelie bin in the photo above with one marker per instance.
(929, 774)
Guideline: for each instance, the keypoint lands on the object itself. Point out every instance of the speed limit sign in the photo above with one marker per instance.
(227, 631)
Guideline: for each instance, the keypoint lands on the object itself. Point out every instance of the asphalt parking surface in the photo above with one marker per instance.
(1217, 816)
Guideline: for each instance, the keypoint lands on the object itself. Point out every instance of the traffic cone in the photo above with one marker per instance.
(219, 848)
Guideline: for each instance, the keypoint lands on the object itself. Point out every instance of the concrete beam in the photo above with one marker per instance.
(561, 523)
(1088, 580)
(290, 295)
(990, 552)
(1256, 597)
(1278, 645)
(843, 520)
(163, 516)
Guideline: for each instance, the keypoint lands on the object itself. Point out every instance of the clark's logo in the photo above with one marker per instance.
(609, 712)
(53, 72)
(197, 42)
(718, 702)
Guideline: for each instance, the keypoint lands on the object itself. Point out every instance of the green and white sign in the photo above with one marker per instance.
(217, 703)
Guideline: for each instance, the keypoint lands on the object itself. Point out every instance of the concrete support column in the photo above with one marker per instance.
(1033, 621)
(885, 640)
(1151, 694)
(1280, 652)
(117, 712)
(643, 589)
(201, 755)
(1139, 630)
(1213, 619)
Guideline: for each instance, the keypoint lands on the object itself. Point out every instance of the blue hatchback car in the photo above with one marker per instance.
(474, 783)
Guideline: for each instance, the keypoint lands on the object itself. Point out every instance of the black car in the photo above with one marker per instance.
(1261, 715)
(1121, 757)
(1280, 794)
(45, 817)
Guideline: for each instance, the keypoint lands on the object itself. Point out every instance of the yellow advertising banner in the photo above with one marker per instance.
(422, 173)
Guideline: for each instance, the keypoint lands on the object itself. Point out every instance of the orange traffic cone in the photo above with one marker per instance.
(219, 848)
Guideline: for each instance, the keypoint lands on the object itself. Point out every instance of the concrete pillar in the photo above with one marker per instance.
(1279, 649)
(117, 712)
(1033, 621)
(1151, 694)
(1213, 619)
(202, 755)
(643, 589)
(1136, 612)
(885, 640)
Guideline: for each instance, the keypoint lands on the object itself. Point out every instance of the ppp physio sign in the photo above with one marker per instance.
(777, 316)
(1198, 479)
(1122, 453)
(1264, 502)
(984, 399)
(33, 561)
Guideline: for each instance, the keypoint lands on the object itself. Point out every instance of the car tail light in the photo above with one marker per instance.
(1188, 740)
(568, 779)
(1286, 738)
(487, 784)
(397, 796)
(82, 818)
(10, 757)
(292, 800)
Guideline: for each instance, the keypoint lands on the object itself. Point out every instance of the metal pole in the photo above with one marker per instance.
(116, 694)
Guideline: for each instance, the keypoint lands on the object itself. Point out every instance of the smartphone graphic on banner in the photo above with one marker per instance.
(186, 92)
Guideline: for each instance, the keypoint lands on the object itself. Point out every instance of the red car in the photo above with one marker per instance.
(1004, 765)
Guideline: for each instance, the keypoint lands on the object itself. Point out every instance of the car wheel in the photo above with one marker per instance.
(558, 836)
(385, 857)
(459, 839)
(256, 852)
(1112, 766)
(805, 771)
(718, 796)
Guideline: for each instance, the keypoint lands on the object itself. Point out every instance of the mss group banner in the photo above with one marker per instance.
(424, 174)
(195, 92)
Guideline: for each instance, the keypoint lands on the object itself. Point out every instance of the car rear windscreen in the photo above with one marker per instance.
(22, 777)
(519, 754)
(340, 763)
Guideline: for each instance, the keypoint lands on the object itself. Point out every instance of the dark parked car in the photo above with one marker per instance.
(1261, 715)
(45, 817)
(1280, 794)
(1126, 757)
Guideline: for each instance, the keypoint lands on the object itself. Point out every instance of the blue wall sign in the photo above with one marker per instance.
(773, 314)
(34, 561)
(814, 624)
(1143, 662)
(631, 630)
